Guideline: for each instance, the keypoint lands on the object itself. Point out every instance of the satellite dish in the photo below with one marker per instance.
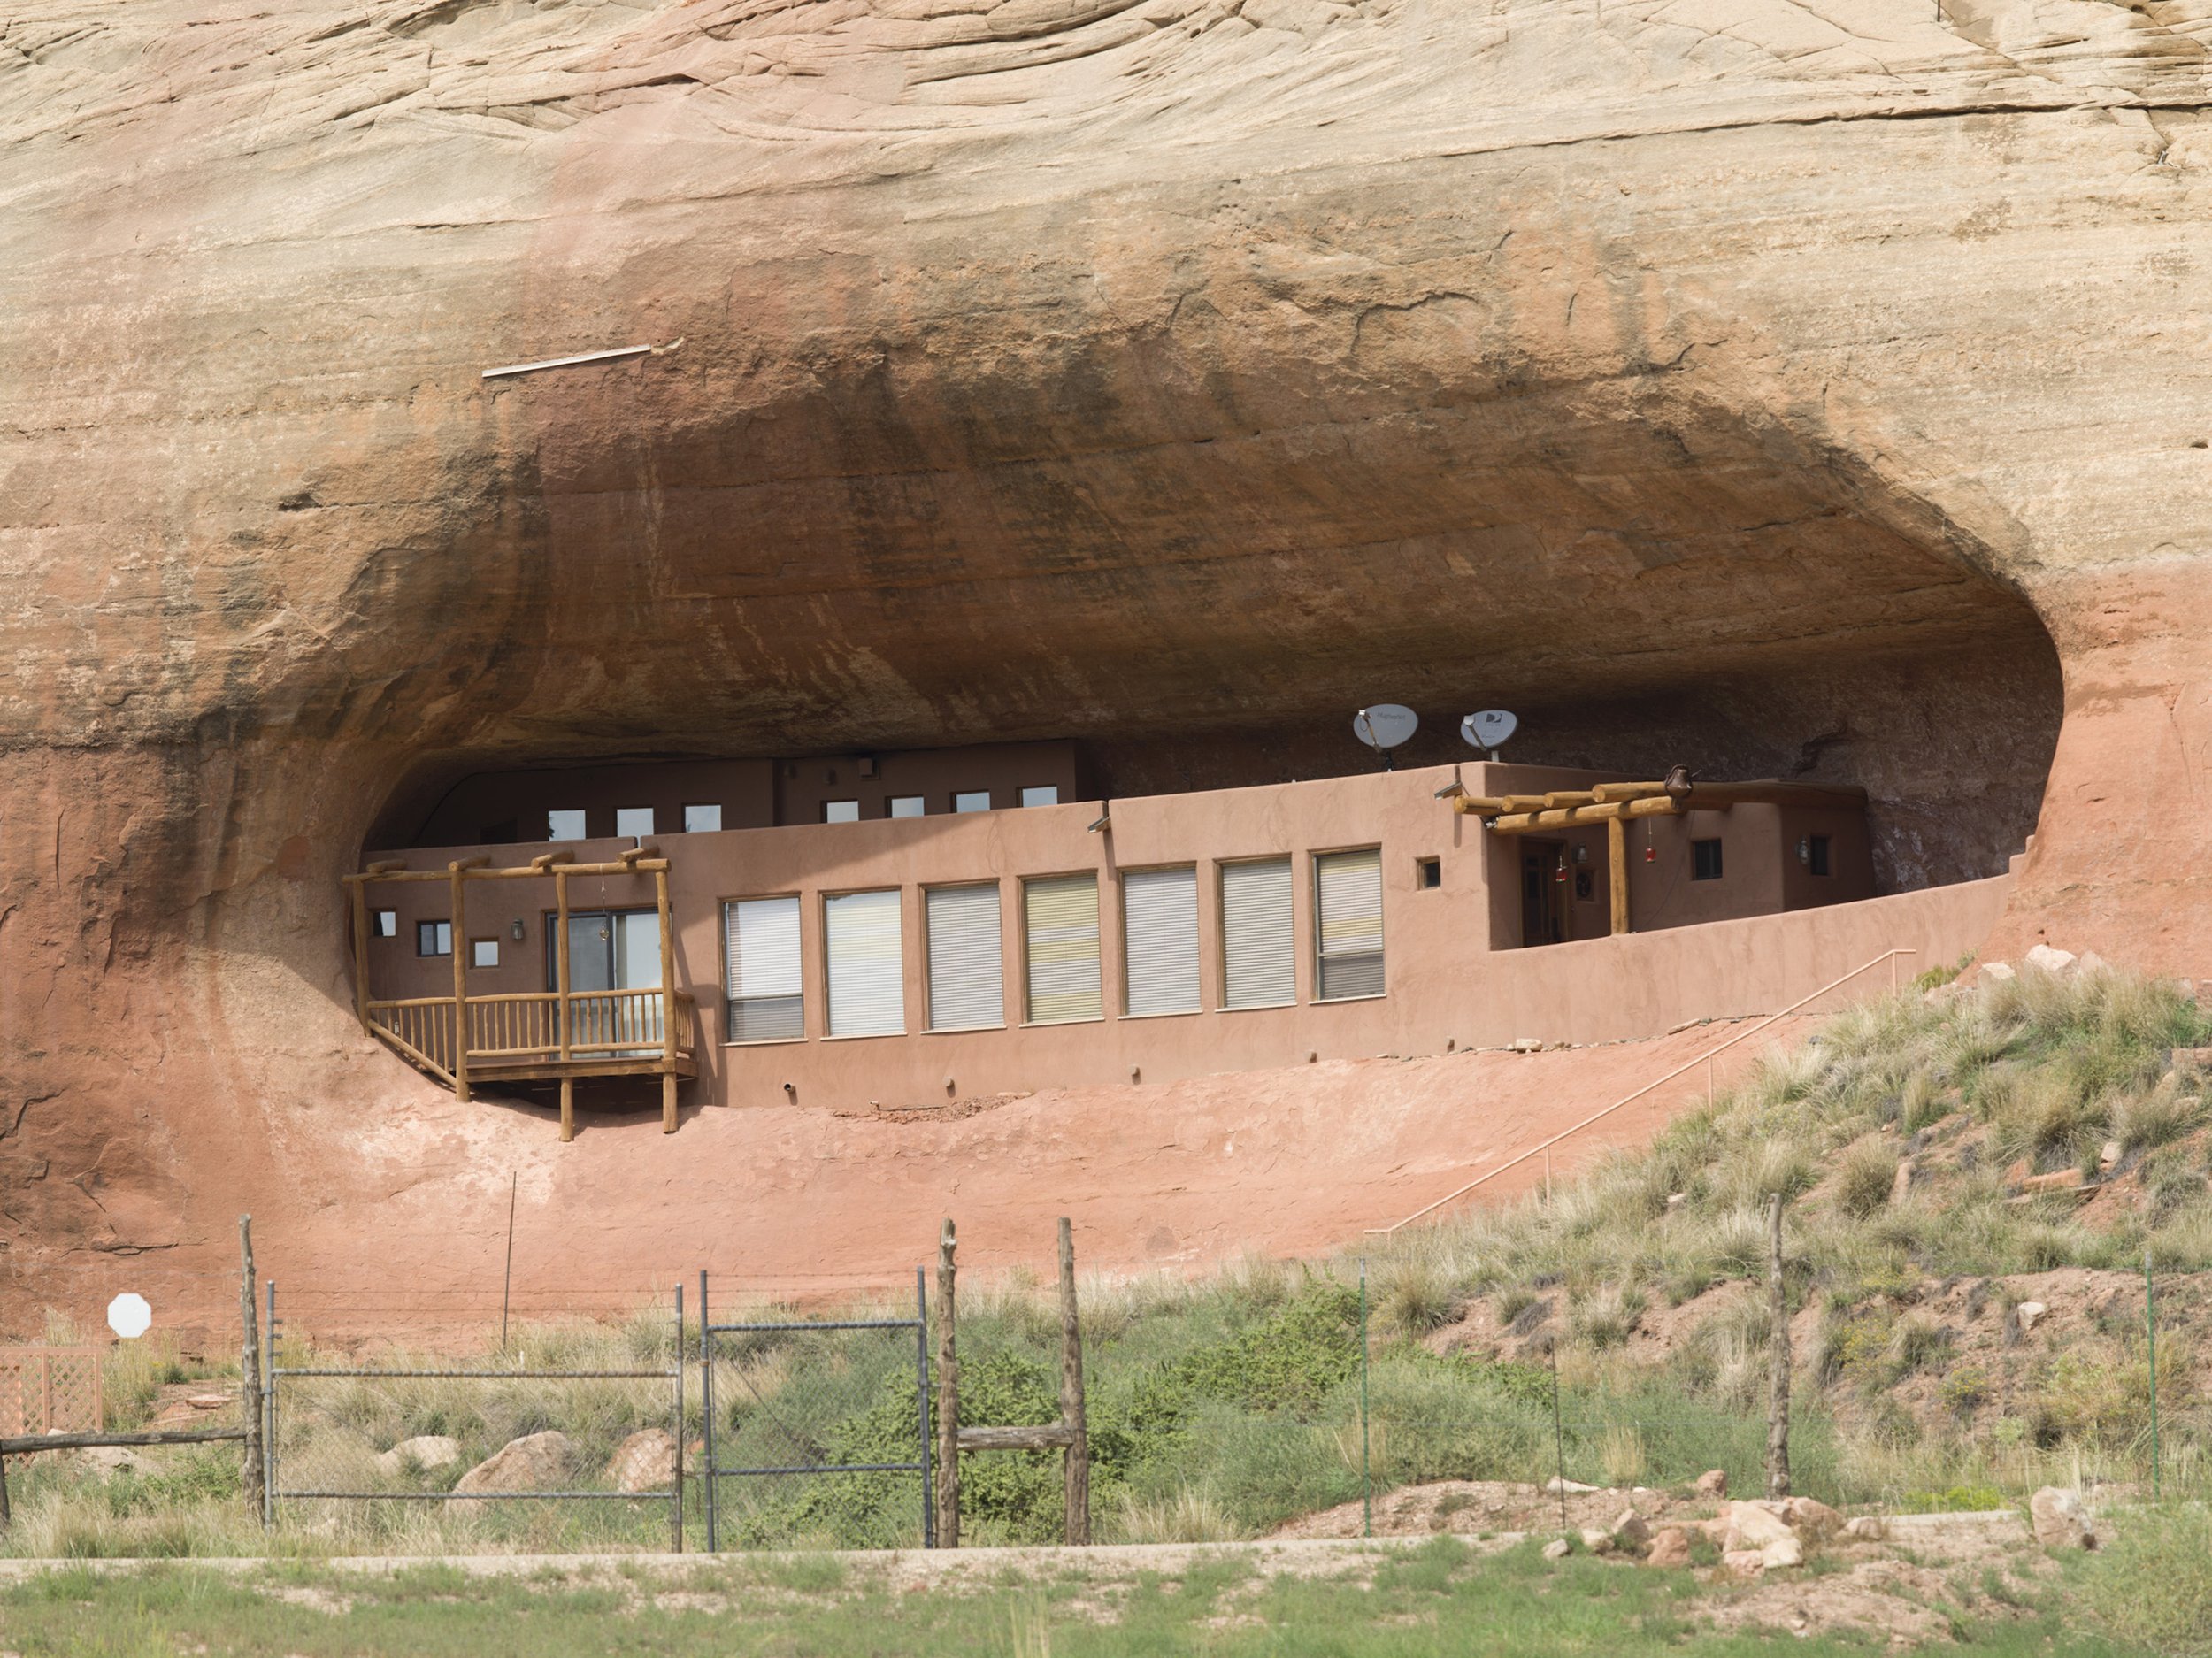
(1489, 729)
(1385, 726)
(129, 1317)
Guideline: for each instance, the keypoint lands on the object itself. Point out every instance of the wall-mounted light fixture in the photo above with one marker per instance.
(1582, 853)
(1805, 852)
(514, 929)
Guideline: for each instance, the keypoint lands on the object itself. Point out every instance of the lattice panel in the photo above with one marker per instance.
(50, 1389)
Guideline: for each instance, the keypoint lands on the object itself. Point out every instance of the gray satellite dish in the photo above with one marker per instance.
(1488, 730)
(1384, 726)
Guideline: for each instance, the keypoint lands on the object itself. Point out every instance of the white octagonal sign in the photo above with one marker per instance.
(129, 1317)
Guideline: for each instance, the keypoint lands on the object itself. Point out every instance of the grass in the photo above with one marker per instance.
(1419, 1601)
(1226, 1406)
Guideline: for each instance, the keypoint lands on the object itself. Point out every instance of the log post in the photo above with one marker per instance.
(1617, 859)
(947, 1492)
(458, 936)
(568, 1110)
(1777, 1359)
(560, 954)
(360, 908)
(1078, 1454)
(668, 1004)
(250, 1373)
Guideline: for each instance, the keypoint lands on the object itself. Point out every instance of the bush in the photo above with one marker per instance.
(1868, 1174)
(2153, 1586)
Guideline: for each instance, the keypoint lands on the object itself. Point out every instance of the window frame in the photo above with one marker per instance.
(383, 923)
(476, 944)
(714, 806)
(1022, 794)
(729, 1000)
(930, 1027)
(651, 816)
(1698, 848)
(829, 806)
(1381, 951)
(959, 795)
(1198, 939)
(1820, 859)
(431, 928)
(829, 1007)
(583, 822)
(1098, 946)
(1222, 866)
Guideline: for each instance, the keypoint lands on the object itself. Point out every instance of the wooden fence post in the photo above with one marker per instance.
(947, 1492)
(457, 930)
(249, 1374)
(1072, 1417)
(1777, 1359)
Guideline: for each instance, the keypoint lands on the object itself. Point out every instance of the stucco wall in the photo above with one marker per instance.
(1445, 987)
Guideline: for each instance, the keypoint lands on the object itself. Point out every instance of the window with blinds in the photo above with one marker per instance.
(1159, 928)
(966, 989)
(1060, 915)
(760, 950)
(867, 994)
(1348, 923)
(1259, 969)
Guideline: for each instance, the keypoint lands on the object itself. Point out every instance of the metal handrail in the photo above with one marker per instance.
(1706, 1059)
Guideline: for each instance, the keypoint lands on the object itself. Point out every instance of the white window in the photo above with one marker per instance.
(565, 826)
(383, 923)
(1159, 926)
(1049, 795)
(1061, 913)
(1347, 910)
(841, 811)
(633, 820)
(867, 992)
(702, 819)
(760, 950)
(1259, 969)
(908, 806)
(433, 937)
(978, 800)
(483, 952)
(967, 990)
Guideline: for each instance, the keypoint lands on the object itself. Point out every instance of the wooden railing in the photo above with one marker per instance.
(537, 1025)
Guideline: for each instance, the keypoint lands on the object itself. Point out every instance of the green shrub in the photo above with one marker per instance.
(2153, 1586)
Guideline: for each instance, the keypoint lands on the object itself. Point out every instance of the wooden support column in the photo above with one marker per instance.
(560, 954)
(1617, 859)
(360, 908)
(947, 1495)
(1078, 1456)
(668, 1004)
(568, 1110)
(459, 927)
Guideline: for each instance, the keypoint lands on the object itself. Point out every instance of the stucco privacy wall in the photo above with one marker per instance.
(1047, 370)
(1445, 987)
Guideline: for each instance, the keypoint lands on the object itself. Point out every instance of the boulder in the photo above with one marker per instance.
(1556, 1486)
(2044, 959)
(1558, 1548)
(1998, 971)
(1712, 1483)
(1752, 1525)
(1596, 1540)
(2109, 1155)
(1809, 1518)
(2029, 1314)
(2056, 1514)
(1631, 1530)
(1669, 1549)
(1783, 1552)
(1866, 1528)
(424, 1451)
(537, 1461)
(644, 1462)
(1743, 1562)
(107, 1460)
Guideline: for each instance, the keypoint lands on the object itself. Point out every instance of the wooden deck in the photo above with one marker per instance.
(533, 1036)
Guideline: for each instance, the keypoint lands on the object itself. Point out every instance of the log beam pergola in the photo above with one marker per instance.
(1616, 804)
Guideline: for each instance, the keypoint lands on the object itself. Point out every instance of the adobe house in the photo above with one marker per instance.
(914, 928)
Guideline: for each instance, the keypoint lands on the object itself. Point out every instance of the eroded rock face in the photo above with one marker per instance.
(1787, 390)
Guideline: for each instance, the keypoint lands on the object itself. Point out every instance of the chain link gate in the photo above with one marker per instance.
(356, 1480)
(809, 1398)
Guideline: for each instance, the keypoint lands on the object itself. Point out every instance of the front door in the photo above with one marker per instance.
(1546, 913)
(612, 949)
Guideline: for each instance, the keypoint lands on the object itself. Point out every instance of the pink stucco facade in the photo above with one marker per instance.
(1452, 977)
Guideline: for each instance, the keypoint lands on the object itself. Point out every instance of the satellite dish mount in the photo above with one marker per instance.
(1385, 726)
(1488, 730)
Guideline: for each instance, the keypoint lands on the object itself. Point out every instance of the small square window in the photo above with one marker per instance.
(483, 952)
(906, 806)
(433, 937)
(1704, 860)
(977, 800)
(1428, 872)
(702, 819)
(565, 826)
(1047, 794)
(1816, 855)
(841, 811)
(633, 820)
(383, 923)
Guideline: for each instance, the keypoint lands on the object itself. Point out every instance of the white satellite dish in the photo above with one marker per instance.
(129, 1317)
(1488, 730)
(1385, 726)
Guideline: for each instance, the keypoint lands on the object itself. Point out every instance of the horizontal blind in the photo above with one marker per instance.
(967, 991)
(1062, 916)
(867, 994)
(760, 942)
(1349, 919)
(1159, 923)
(1259, 967)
